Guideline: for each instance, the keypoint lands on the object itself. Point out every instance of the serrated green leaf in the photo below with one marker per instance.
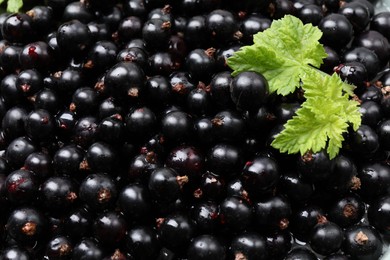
(322, 119)
(13, 6)
(287, 54)
(308, 132)
(281, 53)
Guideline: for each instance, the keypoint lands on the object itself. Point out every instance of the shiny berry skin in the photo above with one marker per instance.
(186, 160)
(100, 157)
(380, 23)
(18, 150)
(278, 244)
(249, 90)
(48, 100)
(326, 238)
(303, 221)
(29, 82)
(344, 171)
(206, 247)
(175, 231)
(375, 179)
(296, 188)
(272, 214)
(260, 176)
(59, 194)
(198, 102)
(17, 28)
(225, 159)
(109, 228)
(73, 37)
(221, 25)
(206, 216)
(316, 167)
(362, 242)
(21, 187)
(201, 64)
(124, 79)
(36, 55)
(165, 184)
(337, 30)
(67, 160)
(84, 101)
(87, 248)
(379, 214)
(158, 91)
(140, 124)
(141, 241)
(354, 72)
(376, 42)
(134, 201)
(14, 253)
(156, 33)
(130, 28)
(85, 131)
(347, 211)
(367, 57)
(177, 126)
(26, 225)
(101, 56)
(357, 14)
(300, 253)
(98, 191)
(235, 214)
(228, 125)
(249, 245)
(13, 122)
(59, 247)
(39, 125)
(253, 24)
(78, 223)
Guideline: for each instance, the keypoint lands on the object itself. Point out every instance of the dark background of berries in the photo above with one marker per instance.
(124, 136)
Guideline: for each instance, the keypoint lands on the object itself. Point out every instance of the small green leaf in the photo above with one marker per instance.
(13, 6)
(287, 55)
(281, 53)
(322, 119)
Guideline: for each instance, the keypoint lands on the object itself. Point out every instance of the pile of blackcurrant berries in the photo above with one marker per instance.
(123, 135)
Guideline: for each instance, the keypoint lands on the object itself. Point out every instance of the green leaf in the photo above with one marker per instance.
(281, 53)
(14, 6)
(322, 119)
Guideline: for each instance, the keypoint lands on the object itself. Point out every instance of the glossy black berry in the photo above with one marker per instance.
(337, 31)
(134, 201)
(273, 213)
(59, 194)
(21, 187)
(249, 90)
(326, 238)
(59, 247)
(175, 231)
(73, 37)
(98, 191)
(109, 228)
(248, 245)
(141, 241)
(362, 242)
(165, 184)
(26, 225)
(206, 247)
(260, 176)
(235, 214)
